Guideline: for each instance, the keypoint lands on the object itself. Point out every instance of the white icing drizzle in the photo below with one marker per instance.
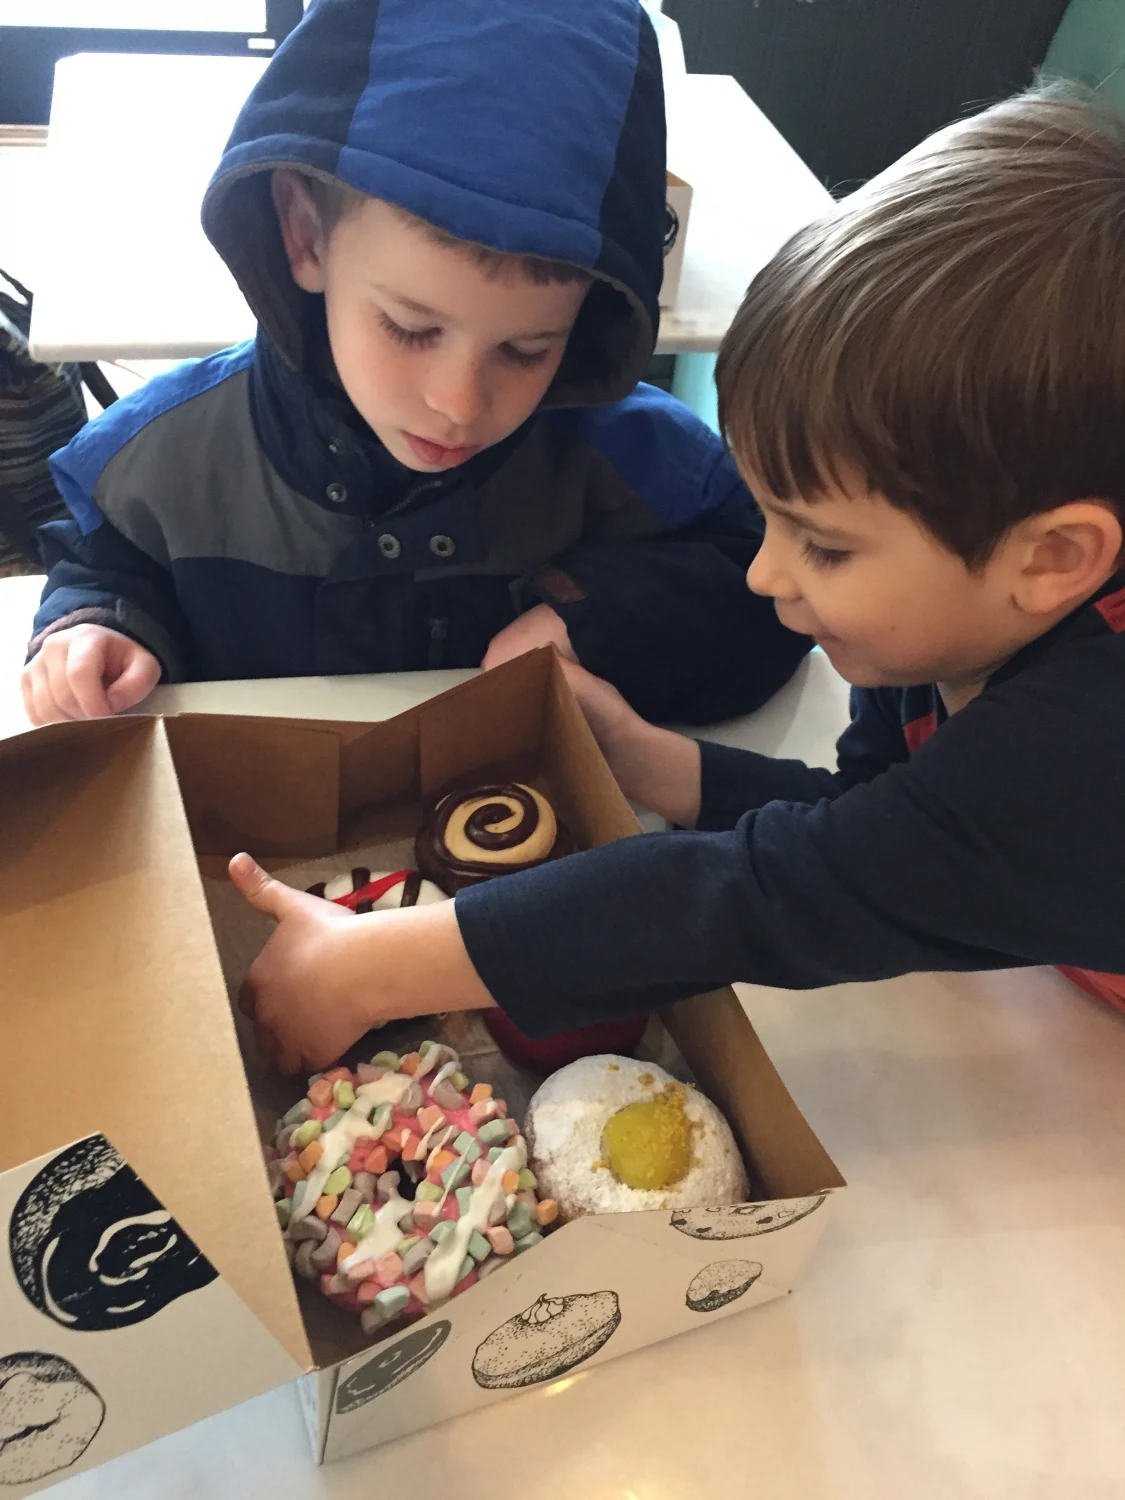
(430, 1059)
(425, 1142)
(442, 1269)
(383, 1235)
(337, 1143)
(447, 1071)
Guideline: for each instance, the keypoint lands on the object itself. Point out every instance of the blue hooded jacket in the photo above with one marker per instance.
(237, 516)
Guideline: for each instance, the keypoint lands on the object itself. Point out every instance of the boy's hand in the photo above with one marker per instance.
(86, 672)
(326, 975)
(540, 626)
(655, 767)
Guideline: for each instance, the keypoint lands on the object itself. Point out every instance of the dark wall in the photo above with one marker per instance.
(852, 84)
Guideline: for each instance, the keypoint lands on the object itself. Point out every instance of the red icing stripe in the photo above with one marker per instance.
(1107, 987)
(372, 890)
(1112, 610)
(918, 731)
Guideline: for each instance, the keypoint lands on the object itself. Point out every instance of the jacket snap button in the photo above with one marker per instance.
(336, 493)
(390, 546)
(442, 546)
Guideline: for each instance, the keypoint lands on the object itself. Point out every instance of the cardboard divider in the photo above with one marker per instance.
(128, 1024)
(247, 783)
(510, 699)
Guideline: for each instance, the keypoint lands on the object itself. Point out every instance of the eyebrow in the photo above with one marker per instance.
(432, 312)
(786, 512)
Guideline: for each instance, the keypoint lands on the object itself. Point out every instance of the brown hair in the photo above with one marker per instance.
(335, 200)
(954, 333)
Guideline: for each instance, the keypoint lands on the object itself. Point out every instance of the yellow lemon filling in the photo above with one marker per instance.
(648, 1145)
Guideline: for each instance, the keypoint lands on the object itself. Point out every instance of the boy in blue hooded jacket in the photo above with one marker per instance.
(447, 217)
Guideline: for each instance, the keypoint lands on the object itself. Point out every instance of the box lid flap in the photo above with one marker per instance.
(114, 1012)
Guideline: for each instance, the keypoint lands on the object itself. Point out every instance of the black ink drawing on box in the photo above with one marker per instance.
(49, 1415)
(739, 1220)
(391, 1366)
(721, 1282)
(93, 1249)
(546, 1340)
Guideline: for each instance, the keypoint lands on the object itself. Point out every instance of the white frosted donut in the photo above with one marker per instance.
(565, 1130)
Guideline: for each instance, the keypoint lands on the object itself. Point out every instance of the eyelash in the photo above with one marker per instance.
(411, 338)
(823, 557)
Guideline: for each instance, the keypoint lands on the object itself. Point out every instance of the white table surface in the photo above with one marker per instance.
(132, 145)
(958, 1334)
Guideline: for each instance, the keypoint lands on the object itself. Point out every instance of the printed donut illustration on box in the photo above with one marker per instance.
(546, 1340)
(721, 1282)
(93, 1249)
(391, 1366)
(49, 1415)
(737, 1221)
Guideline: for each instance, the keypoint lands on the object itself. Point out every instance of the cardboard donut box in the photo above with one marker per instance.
(143, 1279)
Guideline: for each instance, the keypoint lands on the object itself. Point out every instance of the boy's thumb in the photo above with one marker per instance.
(264, 893)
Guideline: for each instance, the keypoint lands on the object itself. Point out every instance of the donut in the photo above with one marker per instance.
(546, 1340)
(478, 833)
(361, 891)
(399, 1186)
(741, 1220)
(93, 1249)
(721, 1282)
(49, 1415)
(611, 1134)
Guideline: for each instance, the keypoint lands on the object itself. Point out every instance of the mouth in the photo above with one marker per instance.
(437, 454)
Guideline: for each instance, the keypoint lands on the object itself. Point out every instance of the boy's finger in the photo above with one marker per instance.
(85, 673)
(58, 687)
(247, 999)
(264, 893)
(136, 682)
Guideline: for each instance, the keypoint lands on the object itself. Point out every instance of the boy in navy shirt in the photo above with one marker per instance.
(448, 218)
(926, 390)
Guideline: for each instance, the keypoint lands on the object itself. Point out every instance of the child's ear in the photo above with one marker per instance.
(1066, 554)
(302, 232)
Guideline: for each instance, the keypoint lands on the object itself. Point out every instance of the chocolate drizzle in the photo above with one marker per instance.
(451, 874)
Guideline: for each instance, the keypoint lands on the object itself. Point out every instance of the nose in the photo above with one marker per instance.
(455, 391)
(767, 574)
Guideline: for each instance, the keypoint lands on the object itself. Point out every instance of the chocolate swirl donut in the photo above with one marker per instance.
(476, 834)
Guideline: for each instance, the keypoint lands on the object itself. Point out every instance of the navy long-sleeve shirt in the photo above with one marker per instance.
(985, 840)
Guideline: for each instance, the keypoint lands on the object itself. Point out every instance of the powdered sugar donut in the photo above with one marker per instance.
(611, 1134)
(361, 891)
(398, 1187)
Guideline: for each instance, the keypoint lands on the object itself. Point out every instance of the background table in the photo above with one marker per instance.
(123, 270)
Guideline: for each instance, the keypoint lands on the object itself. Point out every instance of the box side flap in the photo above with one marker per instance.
(460, 730)
(52, 736)
(733, 1069)
(571, 758)
(257, 784)
(115, 999)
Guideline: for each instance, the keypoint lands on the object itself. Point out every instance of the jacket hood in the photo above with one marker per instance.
(530, 126)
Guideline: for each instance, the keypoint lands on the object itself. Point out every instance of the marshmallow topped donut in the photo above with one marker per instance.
(611, 1134)
(476, 834)
(398, 1186)
(361, 891)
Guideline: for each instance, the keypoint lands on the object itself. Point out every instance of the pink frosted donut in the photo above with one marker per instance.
(398, 1187)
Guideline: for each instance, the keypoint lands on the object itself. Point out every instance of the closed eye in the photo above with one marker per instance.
(823, 557)
(410, 338)
(522, 357)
